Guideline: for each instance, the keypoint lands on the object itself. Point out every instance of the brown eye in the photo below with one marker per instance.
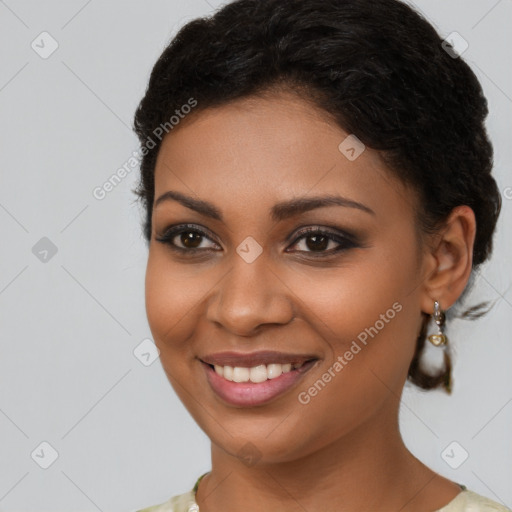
(186, 239)
(317, 242)
(321, 242)
(191, 239)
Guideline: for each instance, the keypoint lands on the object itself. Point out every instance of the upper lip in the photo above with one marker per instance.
(255, 358)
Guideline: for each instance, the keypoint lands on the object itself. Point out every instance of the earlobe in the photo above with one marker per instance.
(453, 254)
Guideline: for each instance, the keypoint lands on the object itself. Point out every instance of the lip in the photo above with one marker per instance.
(248, 360)
(251, 394)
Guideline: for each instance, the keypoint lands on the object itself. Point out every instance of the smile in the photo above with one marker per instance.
(256, 374)
(249, 386)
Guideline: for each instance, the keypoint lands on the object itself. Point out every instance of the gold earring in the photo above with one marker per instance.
(439, 318)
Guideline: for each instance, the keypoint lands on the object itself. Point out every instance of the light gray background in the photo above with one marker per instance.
(69, 326)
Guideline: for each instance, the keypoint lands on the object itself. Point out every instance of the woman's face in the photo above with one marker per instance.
(250, 289)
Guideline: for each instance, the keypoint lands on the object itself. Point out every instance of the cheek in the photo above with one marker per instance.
(373, 329)
(172, 295)
(368, 314)
(348, 301)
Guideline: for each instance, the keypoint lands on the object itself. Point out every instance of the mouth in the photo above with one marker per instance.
(255, 379)
(259, 373)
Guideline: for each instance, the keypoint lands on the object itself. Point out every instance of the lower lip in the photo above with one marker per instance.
(248, 394)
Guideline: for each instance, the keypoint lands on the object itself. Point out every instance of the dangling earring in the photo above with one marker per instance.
(439, 318)
(439, 340)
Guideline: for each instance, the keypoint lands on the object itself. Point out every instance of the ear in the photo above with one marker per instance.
(449, 260)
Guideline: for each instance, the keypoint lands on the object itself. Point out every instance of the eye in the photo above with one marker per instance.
(189, 239)
(316, 240)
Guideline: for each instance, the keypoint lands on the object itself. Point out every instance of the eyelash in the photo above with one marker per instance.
(345, 241)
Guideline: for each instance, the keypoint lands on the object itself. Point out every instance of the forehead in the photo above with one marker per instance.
(259, 150)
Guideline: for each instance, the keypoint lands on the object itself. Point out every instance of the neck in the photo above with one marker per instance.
(369, 468)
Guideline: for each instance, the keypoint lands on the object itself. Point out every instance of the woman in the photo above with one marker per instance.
(317, 182)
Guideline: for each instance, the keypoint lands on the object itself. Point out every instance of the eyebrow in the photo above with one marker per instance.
(279, 212)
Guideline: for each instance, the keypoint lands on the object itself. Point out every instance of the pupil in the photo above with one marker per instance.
(189, 238)
(320, 242)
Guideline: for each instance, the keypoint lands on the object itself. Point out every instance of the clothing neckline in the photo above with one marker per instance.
(462, 486)
(194, 490)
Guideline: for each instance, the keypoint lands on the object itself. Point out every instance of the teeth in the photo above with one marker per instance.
(255, 374)
(258, 373)
(274, 370)
(228, 373)
(240, 374)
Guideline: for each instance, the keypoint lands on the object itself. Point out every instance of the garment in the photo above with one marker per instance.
(465, 501)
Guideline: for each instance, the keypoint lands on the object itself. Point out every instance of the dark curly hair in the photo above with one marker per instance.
(377, 67)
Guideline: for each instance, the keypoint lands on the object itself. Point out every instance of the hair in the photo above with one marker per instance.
(377, 67)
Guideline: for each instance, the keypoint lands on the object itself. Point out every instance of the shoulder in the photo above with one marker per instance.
(469, 501)
(181, 503)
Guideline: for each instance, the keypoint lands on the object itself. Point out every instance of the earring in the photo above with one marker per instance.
(439, 318)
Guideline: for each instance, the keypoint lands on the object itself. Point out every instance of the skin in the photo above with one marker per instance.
(342, 450)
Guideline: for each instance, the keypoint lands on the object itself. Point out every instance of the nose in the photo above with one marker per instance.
(249, 296)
